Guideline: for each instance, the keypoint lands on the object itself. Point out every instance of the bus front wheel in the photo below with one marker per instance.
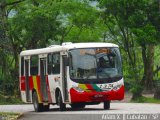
(107, 105)
(62, 106)
(77, 105)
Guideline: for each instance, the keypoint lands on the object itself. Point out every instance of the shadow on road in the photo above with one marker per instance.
(75, 110)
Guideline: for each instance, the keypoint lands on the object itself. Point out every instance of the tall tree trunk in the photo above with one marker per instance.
(147, 80)
(148, 61)
(150, 69)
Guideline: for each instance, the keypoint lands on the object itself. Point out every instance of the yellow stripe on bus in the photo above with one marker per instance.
(36, 87)
(84, 87)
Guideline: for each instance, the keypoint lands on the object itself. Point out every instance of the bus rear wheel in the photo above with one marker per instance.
(62, 106)
(107, 105)
(46, 107)
(38, 107)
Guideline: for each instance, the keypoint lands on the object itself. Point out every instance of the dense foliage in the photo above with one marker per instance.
(132, 24)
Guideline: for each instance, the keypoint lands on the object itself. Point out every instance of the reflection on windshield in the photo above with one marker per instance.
(95, 63)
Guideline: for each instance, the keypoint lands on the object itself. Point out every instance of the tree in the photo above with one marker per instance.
(136, 25)
(30, 24)
(5, 45)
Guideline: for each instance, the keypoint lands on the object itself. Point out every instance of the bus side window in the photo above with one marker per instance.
(34, 65)
(50, 64)
(56, 63)
(22, 66)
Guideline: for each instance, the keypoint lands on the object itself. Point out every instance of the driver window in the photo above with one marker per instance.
(106, 62)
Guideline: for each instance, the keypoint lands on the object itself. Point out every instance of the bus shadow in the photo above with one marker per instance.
(79, 109)
(73, 111)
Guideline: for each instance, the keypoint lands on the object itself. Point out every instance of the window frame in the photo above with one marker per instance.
(34, 65)
(22, 66)
(48, 63)
(50, 68)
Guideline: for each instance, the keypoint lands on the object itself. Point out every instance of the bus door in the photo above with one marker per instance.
(64, 77)
(28, 99)
(43, 79)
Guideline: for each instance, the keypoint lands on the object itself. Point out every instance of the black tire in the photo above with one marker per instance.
(107, 105)
(77, 105)
(46, 107)
(38, 107)
(62, 106)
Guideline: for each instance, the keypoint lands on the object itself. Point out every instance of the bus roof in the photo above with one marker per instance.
(65, 47)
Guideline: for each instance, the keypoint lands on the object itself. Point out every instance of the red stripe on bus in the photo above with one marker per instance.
(39, 87)
(23, 84)
(30, 82)
(48, 90)
(90, 87)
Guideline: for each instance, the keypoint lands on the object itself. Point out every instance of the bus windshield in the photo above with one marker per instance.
(95, 63)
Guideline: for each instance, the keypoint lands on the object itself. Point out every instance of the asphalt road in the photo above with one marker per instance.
(90, 112)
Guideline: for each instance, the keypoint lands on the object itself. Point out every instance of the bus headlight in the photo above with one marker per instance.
(117, 87)
(78, 89)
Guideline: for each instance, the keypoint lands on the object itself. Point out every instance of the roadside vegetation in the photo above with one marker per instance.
(146, 100)
(5, 100)
(9, 116)
(132, 24)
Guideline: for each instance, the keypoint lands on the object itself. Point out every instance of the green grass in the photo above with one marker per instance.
(146, 100)
(9, 115)
(8, 101)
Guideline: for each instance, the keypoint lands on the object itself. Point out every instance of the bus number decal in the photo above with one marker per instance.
(106, 86)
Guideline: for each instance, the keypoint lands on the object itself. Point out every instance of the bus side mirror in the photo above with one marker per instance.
(66, 61)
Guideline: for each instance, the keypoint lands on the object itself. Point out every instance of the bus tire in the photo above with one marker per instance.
(38, 107)
(62, 106)
(77, 105)
(107, 105)
(46, 107)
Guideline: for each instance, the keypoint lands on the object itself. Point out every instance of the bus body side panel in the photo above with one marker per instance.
(35, 80)
(94, 93)
(70, 85)
(23, 88)
(36, 85)
(49, 90)
(54, 82)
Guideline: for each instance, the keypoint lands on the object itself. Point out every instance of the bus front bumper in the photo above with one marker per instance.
(96, 96)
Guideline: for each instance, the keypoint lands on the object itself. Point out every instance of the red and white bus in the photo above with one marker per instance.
(77, 74)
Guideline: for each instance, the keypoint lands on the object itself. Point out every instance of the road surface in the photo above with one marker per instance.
(90, 112)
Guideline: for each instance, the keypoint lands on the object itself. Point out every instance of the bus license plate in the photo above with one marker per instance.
(106, 86)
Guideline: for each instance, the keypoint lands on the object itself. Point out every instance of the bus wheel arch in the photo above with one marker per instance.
(56, 94)
(59, 101)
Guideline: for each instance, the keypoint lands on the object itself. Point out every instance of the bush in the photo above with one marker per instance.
(146, 100)
(136, 90)
(4, 100)
(127, 85)
(157, 89)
